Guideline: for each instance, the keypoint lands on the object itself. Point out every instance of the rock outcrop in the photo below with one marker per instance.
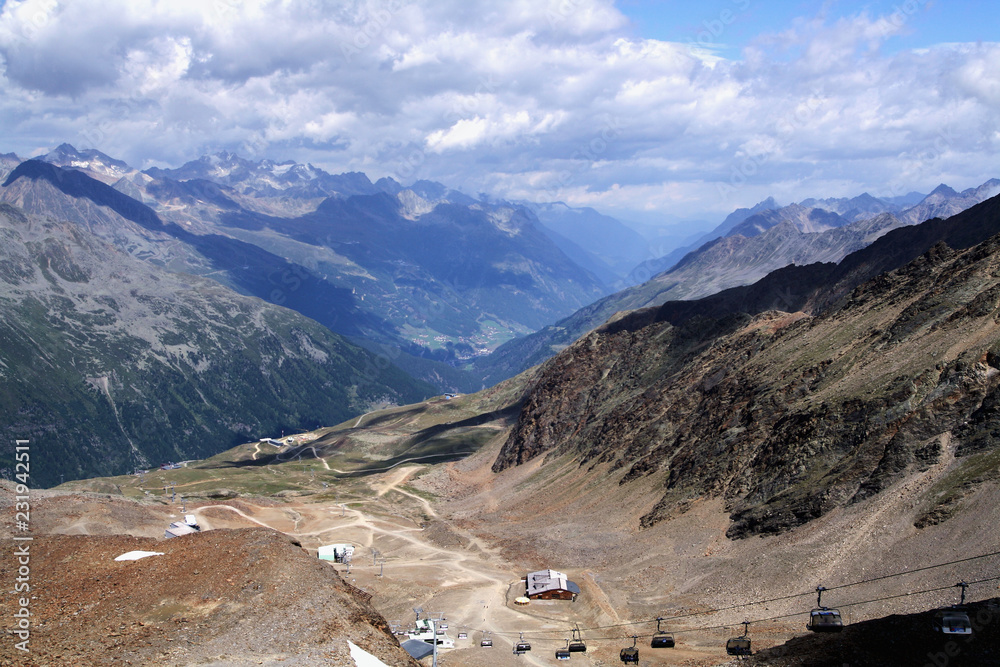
(787, 415)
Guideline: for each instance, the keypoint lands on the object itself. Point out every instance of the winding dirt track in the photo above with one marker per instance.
(477, 589)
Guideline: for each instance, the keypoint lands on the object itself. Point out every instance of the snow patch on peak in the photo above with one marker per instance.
(413, 205)
(507, 220)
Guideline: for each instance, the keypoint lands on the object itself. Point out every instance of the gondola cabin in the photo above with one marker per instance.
(952, 622)
(629, 655)
(738, 646)
(562, 654)
(825, 620)
(662, 638)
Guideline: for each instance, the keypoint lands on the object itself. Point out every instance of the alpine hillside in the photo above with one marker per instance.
(419, 272)
(118, 364)
(813, 388)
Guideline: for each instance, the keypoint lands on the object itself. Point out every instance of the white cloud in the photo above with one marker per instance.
(526, 99)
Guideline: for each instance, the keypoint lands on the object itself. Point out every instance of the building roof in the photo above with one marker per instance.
(417, 649)
(544, 581)
(176, 529)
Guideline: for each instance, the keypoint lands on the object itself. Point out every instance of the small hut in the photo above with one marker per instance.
(550, 585)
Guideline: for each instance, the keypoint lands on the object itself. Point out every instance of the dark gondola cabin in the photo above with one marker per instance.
(952, 622)
(562, 654)
(662, 638)
(629, 655)
(825, 620)
(738, 646)
(577, 645)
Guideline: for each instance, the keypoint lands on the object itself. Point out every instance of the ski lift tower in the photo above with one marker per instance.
(434, 644)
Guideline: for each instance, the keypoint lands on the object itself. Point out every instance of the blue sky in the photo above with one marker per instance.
(733, 24)
(644, 110)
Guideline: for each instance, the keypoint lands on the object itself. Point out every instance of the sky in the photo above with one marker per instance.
(650, 111)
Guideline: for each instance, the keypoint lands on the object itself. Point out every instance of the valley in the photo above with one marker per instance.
(454, 539)
(703, 463)
(598, 331)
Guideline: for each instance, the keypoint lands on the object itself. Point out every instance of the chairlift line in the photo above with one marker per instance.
(830, 621)
(724, 626)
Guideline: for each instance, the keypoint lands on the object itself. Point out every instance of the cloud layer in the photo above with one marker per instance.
(520, 99)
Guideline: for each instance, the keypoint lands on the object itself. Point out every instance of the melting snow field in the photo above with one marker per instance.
(363, 658)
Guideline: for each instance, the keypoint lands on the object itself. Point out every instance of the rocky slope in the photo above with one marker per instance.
(787, 415)
(223, 597)
(116, 363)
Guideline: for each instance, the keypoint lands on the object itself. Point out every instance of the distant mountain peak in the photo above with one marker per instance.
(943, 191)
(767, 204)
(92, 161)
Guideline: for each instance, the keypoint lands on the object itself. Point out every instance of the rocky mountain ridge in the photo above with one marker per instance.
(786, 414)
(747, 246)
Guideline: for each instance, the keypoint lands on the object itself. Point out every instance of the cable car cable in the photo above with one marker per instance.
(770, 600)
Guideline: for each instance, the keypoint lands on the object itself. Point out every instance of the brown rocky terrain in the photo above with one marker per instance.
(223, 597)
(787, 415)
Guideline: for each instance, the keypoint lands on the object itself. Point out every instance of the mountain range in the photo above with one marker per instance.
(427, 279)
(419, 272)
(748, 245)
